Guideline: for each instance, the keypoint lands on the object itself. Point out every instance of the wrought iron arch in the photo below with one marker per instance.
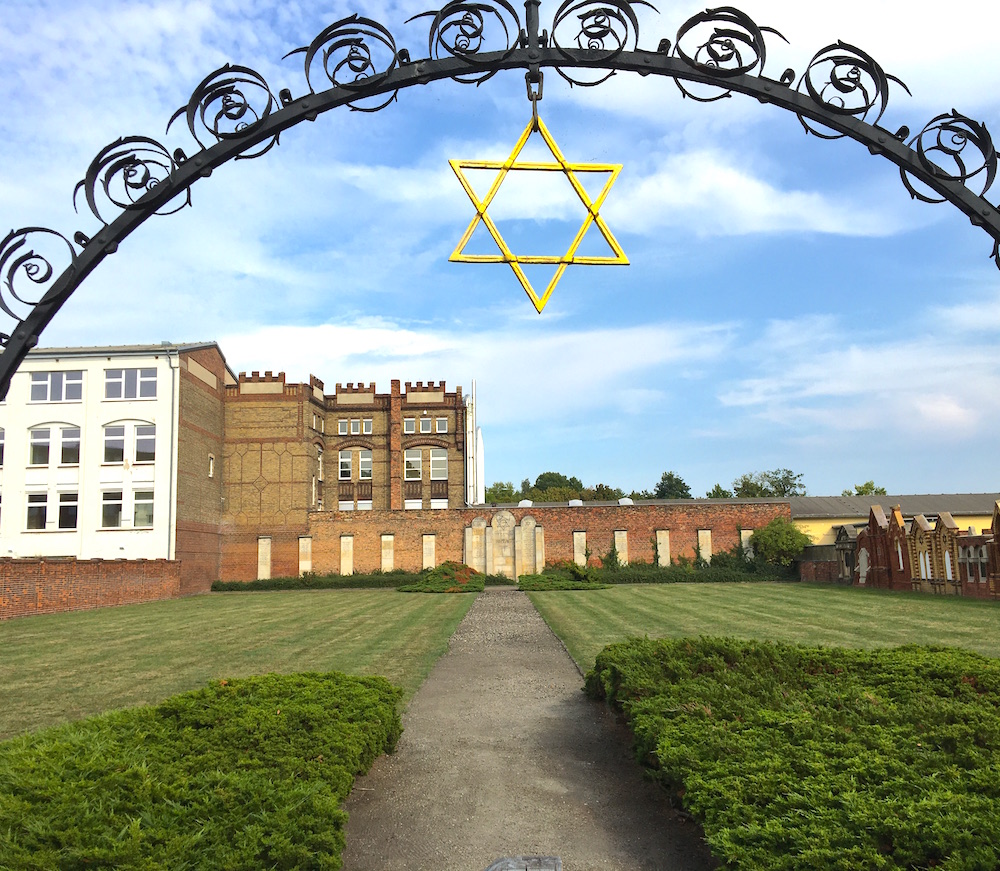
(234, 114)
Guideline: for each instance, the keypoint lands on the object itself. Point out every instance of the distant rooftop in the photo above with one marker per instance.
(804, 507)
(90, 350)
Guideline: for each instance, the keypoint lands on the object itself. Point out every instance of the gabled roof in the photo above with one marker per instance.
(805, 507)
(921, 523)
(878, 515)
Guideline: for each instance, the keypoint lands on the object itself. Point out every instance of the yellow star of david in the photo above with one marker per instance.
(506, 255)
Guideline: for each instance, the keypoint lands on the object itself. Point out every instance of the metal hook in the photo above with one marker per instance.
(530, 79)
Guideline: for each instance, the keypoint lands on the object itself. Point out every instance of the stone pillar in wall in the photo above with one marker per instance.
(388, 553)
(539, 550)
(503, 524)
(524, 547)
(475, 545)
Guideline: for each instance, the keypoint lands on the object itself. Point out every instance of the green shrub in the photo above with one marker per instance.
(246, 773)
(449, 577)
(779, 543)
(312, 581)
(544, 582)
(795, 757)
(497, 580)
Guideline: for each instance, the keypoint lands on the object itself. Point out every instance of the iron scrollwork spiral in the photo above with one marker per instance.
(26, 269)
(952, 146)
(724, 43)
(846, 81)
(467, 30)
(605, 29)
(124, 172)
(354, 52)
(231, 103)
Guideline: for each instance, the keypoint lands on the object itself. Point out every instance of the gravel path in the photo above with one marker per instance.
(503, 755)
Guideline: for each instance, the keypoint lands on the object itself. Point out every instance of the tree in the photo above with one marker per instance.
(869, 488)
(501, 491)
(548, 480)
(672, 486)
(779, 543)
(602, 493)
(779, 482)
(719, 492)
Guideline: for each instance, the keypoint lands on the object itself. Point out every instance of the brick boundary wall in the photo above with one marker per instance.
(682, 519)
(819, 571)
(48, 586)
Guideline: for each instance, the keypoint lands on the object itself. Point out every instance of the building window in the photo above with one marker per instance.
(1, 446)
(56, 386)
(412, 468)
(366, 426)
(364, 505)
(69, 446)
(345, 465)
(37, 509)
(111, 509)
(409, 425)
(441, 424)
(439, 464)
(984, 563)
(355, 426)
(39, 453)
(346, 505)
(211, 465)
(319, 460)
(145, 444)
(130, 383)
(68, 504)
(143, 509)
(439, 503)
(365, 466)
(412, 504)
(114, 444)
(341, 427)
(425, 424)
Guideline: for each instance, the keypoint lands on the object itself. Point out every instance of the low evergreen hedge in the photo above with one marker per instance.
(247, 773)
(545, 582)
(795, 757)
(449, 577)
(311, 581)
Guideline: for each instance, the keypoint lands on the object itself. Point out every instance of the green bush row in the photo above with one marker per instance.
(312, 581)
(795, 757)
(248, 773)
(724, 568)
(549, 581)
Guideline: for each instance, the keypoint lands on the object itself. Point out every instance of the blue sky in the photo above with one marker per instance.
(787, 304)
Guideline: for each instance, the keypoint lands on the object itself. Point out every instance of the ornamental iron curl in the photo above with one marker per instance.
(353, 53)
(468, 30)
(355, 62)
(732, 45)
(954, 147)
(845, 80)
(126, 171)
(26, 269)
(230, 103)
(605, 29)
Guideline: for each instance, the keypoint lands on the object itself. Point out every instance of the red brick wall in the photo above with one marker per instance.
(682, 519)
(821, 571)
(45, 586)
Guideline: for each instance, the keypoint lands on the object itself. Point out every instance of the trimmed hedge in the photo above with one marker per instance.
(795, 757)
(311, 581)
(546, 582)
(247, 773)
(449, 577)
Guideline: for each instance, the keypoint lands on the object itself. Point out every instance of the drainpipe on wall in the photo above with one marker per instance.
(174, 362)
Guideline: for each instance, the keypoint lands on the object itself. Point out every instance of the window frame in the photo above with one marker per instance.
(38, 508)
(355, 426)
(364, 465)
(112, 503)
(69, 381)
(366, 426)
(137, 435)
(409, 426)
(441, 424)
(413, 459)
(439, 454)
(142, 498)
(132, 384)
(110, 433)
(67, 441)
(36, 443)
(342, 457)
(342, 426)
(69, 501)
(426, 430)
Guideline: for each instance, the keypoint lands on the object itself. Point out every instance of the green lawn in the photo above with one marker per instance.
(810, 614)
(63, 667)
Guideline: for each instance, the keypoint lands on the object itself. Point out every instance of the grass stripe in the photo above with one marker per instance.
(61, 667)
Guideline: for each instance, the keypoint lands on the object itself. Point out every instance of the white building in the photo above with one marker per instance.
(110, 452)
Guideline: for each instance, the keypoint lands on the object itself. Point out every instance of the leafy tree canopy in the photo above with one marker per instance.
(548, 480)
(869, 488)
(671, 486)
(779, 482)
(779, 543)
(501, 491)
(719, 492)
